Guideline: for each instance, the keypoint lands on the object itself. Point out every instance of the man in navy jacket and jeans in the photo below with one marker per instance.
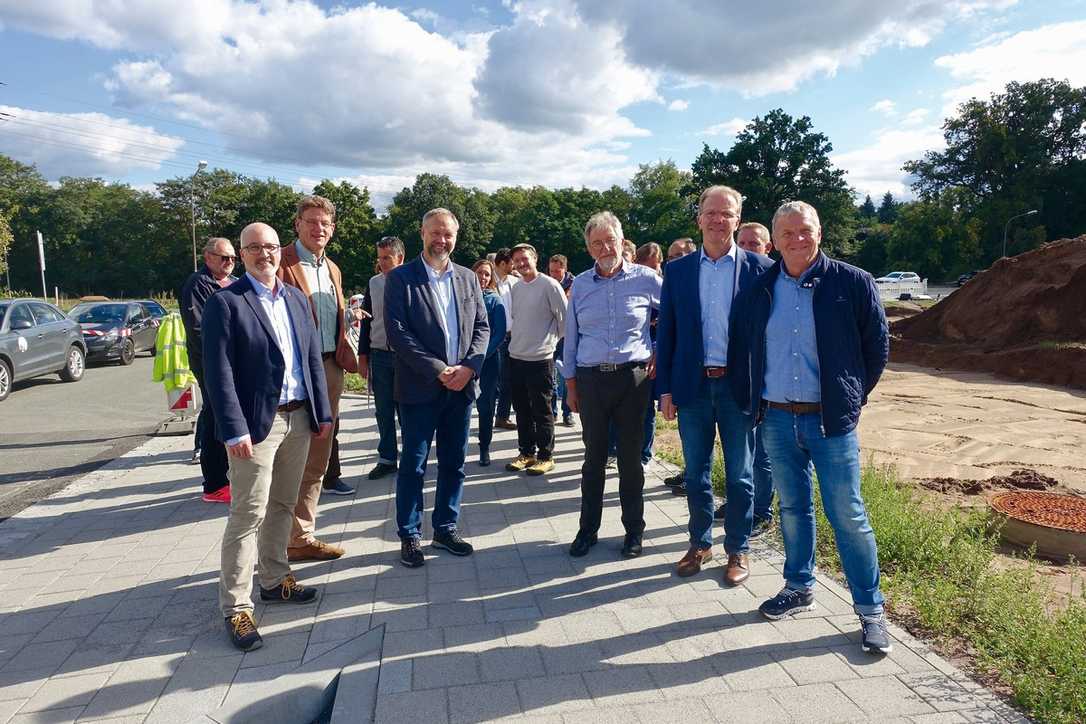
(809, 344)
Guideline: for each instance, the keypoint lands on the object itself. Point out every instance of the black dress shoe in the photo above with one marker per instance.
(675, 480)
(580, 545)
(631, 547)
(679, 489)
(721, 512)
(380, 470)
(484, 458)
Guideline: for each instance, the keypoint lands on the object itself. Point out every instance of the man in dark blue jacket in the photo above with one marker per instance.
(436, 324)
(692, 334)
(265, 381)
(810, 342)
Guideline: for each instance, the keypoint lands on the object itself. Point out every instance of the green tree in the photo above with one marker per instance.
(429, 191)
(867, 208)
(887, 212)
(1021, 149)
(932, 238)
(5, 244)
(661, 203)
(777, 158)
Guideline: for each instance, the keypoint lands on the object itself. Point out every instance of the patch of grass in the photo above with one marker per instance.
(937, 570)
(353, 382)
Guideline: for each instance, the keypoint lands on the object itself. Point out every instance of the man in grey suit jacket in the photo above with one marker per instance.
(436, 324)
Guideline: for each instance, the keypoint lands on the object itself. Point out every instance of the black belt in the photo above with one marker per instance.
(715, 372)
(613, 367)
(290, 406)
(796, 408)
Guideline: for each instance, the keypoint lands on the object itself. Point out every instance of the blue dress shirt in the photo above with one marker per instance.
(608, 317)
(442, 287)
(716, 288)
(791, 369)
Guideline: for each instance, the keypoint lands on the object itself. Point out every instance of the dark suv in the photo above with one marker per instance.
(37, 339)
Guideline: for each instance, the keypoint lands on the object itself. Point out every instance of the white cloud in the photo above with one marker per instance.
(739, 45)
(82, 144)
(876, 168)
(886, 107)
(915, 117)
(1051, 51)
(727, 128)
(678, 105)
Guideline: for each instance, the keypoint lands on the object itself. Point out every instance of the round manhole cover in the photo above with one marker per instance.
(1055, 523)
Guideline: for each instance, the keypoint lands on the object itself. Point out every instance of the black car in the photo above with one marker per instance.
(156, 310)
(37, 339)
(116, 330)
(967, 276)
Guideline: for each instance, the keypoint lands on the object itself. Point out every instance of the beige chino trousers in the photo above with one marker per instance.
(263, 490)
(305, 510)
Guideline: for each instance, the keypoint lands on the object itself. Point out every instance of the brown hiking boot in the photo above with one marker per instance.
(737, 570)
(314, 550)
(694, 559)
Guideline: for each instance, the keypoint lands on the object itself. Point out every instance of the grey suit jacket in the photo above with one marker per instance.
(415, 333)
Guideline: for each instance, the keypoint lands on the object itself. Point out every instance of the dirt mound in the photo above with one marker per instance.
(1017, 480)
(1025, 318)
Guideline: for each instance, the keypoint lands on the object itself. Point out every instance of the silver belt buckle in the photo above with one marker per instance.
(608, 367)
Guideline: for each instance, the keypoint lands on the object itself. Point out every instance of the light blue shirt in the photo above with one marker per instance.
(442, 287)
(716, 288)
(274, 304)
(791, 367)
(608, 318)
(323, 295)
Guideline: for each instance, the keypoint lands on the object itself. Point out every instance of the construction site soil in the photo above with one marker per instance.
(1024, 318)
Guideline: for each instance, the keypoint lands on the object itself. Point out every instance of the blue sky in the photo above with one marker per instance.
(551, 92)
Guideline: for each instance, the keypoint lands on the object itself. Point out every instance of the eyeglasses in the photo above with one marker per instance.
(225, 257)
(262, 248)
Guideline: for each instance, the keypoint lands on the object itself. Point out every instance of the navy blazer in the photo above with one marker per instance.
(244, 368)
(680, 352)
(416, 335)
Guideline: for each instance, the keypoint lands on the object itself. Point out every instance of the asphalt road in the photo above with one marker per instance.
(52, 432)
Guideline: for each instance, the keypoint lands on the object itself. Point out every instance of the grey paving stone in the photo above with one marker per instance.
(413, 707)
(409, 644)
(455, 613)
(553, 694)
(867, 665)
(688, 680)
(810, 632)
(884, 696)
(72, 627)
(477, 637)
(817, 703)
(812, 666)
(41, 656)
(504, 664)
(199, 685)
(686, 710)
(483, 702)
(433, 671)
(573, 658)
(395, 677)
(940, 691)
(745, 707)
(21, 685)
(751, 672)
(53, 716)
(621, 686)
(66, 693)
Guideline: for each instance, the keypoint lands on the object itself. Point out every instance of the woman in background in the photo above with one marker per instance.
(488, 380)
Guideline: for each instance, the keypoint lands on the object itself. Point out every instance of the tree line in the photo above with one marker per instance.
(1022, 149)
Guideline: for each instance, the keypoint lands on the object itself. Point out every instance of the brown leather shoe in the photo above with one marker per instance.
(314, 550)
(737, 570)
(694, 559)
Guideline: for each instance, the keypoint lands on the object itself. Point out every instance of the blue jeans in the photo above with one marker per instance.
(505, 384)
(447, 417)
(763, 479)
(383, 380)
(559, 394)
(650, 432)
(699, 422)
(488, 397)
(794, 442)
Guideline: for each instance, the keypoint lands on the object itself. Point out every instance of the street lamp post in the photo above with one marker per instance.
(192, 202)
(1007, 226)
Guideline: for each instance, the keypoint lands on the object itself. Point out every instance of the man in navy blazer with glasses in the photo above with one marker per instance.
(691, 372)
(436, 324)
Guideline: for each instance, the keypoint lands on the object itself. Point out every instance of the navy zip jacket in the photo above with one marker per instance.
(850, 330)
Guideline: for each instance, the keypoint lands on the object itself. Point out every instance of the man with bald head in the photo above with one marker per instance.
(265, 382)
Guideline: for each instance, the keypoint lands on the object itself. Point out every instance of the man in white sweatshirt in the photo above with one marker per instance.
(538, 313)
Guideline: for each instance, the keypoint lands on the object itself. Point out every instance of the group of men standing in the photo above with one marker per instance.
(776, 358)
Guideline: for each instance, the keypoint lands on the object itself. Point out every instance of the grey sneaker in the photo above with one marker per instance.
(874, 637)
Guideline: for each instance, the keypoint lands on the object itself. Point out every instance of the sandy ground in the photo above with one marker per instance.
(931, 423)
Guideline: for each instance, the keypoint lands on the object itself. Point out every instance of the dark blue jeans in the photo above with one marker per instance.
(383, 380)
(793, 443)
(505, 384)
(447, 418)
(488, 397)
(699, 422)
(763, 479)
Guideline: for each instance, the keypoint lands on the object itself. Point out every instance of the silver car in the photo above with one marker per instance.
(37, 339)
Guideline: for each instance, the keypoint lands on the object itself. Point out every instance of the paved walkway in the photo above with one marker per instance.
(107, 612)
